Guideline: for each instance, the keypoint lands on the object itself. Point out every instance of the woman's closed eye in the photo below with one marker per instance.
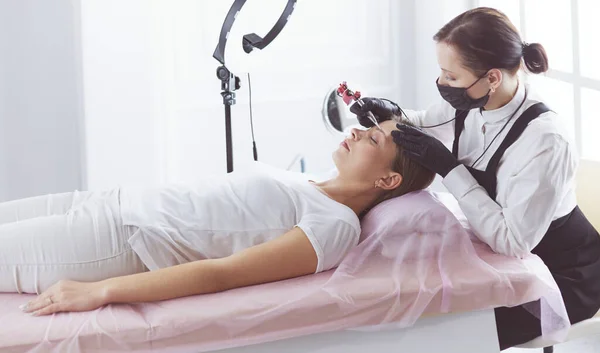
(376, 132)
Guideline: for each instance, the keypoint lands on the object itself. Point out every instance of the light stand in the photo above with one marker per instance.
(229, 82)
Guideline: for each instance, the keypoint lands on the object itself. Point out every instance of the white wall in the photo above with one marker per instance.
(430, 16)
(40, 107)
(151, 100)
(121, 93)
(153, 109)
(3, 155)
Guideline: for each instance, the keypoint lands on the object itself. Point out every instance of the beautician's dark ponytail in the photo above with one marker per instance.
(486, 39)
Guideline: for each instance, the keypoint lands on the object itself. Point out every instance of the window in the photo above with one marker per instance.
(567, 29)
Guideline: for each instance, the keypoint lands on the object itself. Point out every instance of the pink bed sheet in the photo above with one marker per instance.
(386, 279)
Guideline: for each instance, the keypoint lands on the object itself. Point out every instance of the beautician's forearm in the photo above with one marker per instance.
(198, 277)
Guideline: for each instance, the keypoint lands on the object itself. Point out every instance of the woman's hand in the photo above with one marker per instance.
(383, 110)
(67, 296)
(425, 149)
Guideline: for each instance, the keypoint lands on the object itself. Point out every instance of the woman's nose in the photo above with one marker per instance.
(355, 133)
(442, 80)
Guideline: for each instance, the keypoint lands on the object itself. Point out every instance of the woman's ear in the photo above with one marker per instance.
(494, 79)
(390, 182)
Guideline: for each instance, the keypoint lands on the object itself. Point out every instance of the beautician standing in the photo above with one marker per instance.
(511, 167)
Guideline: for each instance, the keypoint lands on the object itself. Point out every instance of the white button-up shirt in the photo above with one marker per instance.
(536, 174)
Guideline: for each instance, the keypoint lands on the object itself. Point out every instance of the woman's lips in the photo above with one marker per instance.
(345, 145)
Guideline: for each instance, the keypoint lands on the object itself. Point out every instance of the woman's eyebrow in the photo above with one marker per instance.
(375, 129)
(447, 70)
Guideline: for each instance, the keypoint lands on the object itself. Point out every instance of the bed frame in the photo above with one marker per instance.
(471, 332)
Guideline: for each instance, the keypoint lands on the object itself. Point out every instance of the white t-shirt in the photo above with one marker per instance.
(220, 216)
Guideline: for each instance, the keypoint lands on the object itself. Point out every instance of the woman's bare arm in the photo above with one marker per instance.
(290, 255)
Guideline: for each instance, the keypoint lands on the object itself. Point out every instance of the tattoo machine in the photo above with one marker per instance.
(348, 96)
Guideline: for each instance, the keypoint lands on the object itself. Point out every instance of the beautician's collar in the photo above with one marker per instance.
(497, 115)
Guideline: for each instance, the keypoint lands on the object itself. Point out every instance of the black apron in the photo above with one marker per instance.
(570, 248)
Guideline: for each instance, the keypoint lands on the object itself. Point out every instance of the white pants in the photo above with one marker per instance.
(76, 236)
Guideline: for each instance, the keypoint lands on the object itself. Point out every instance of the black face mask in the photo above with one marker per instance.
(459, 98)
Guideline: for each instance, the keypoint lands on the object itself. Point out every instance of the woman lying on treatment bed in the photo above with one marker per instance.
(83, 250)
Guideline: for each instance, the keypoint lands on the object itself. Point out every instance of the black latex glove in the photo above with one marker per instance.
(383, 109)
(425, 149)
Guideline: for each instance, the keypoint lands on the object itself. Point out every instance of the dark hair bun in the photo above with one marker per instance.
(535, 58)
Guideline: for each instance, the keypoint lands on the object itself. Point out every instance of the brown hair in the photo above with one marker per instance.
(486, 39)
(414, 175)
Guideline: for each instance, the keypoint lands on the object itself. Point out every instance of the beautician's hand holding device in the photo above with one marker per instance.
(511, 167)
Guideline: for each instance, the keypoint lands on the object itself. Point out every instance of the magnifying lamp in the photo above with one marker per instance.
(230, 82)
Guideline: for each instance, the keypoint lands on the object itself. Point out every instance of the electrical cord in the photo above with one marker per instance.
(254, 150)
(499, 132)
